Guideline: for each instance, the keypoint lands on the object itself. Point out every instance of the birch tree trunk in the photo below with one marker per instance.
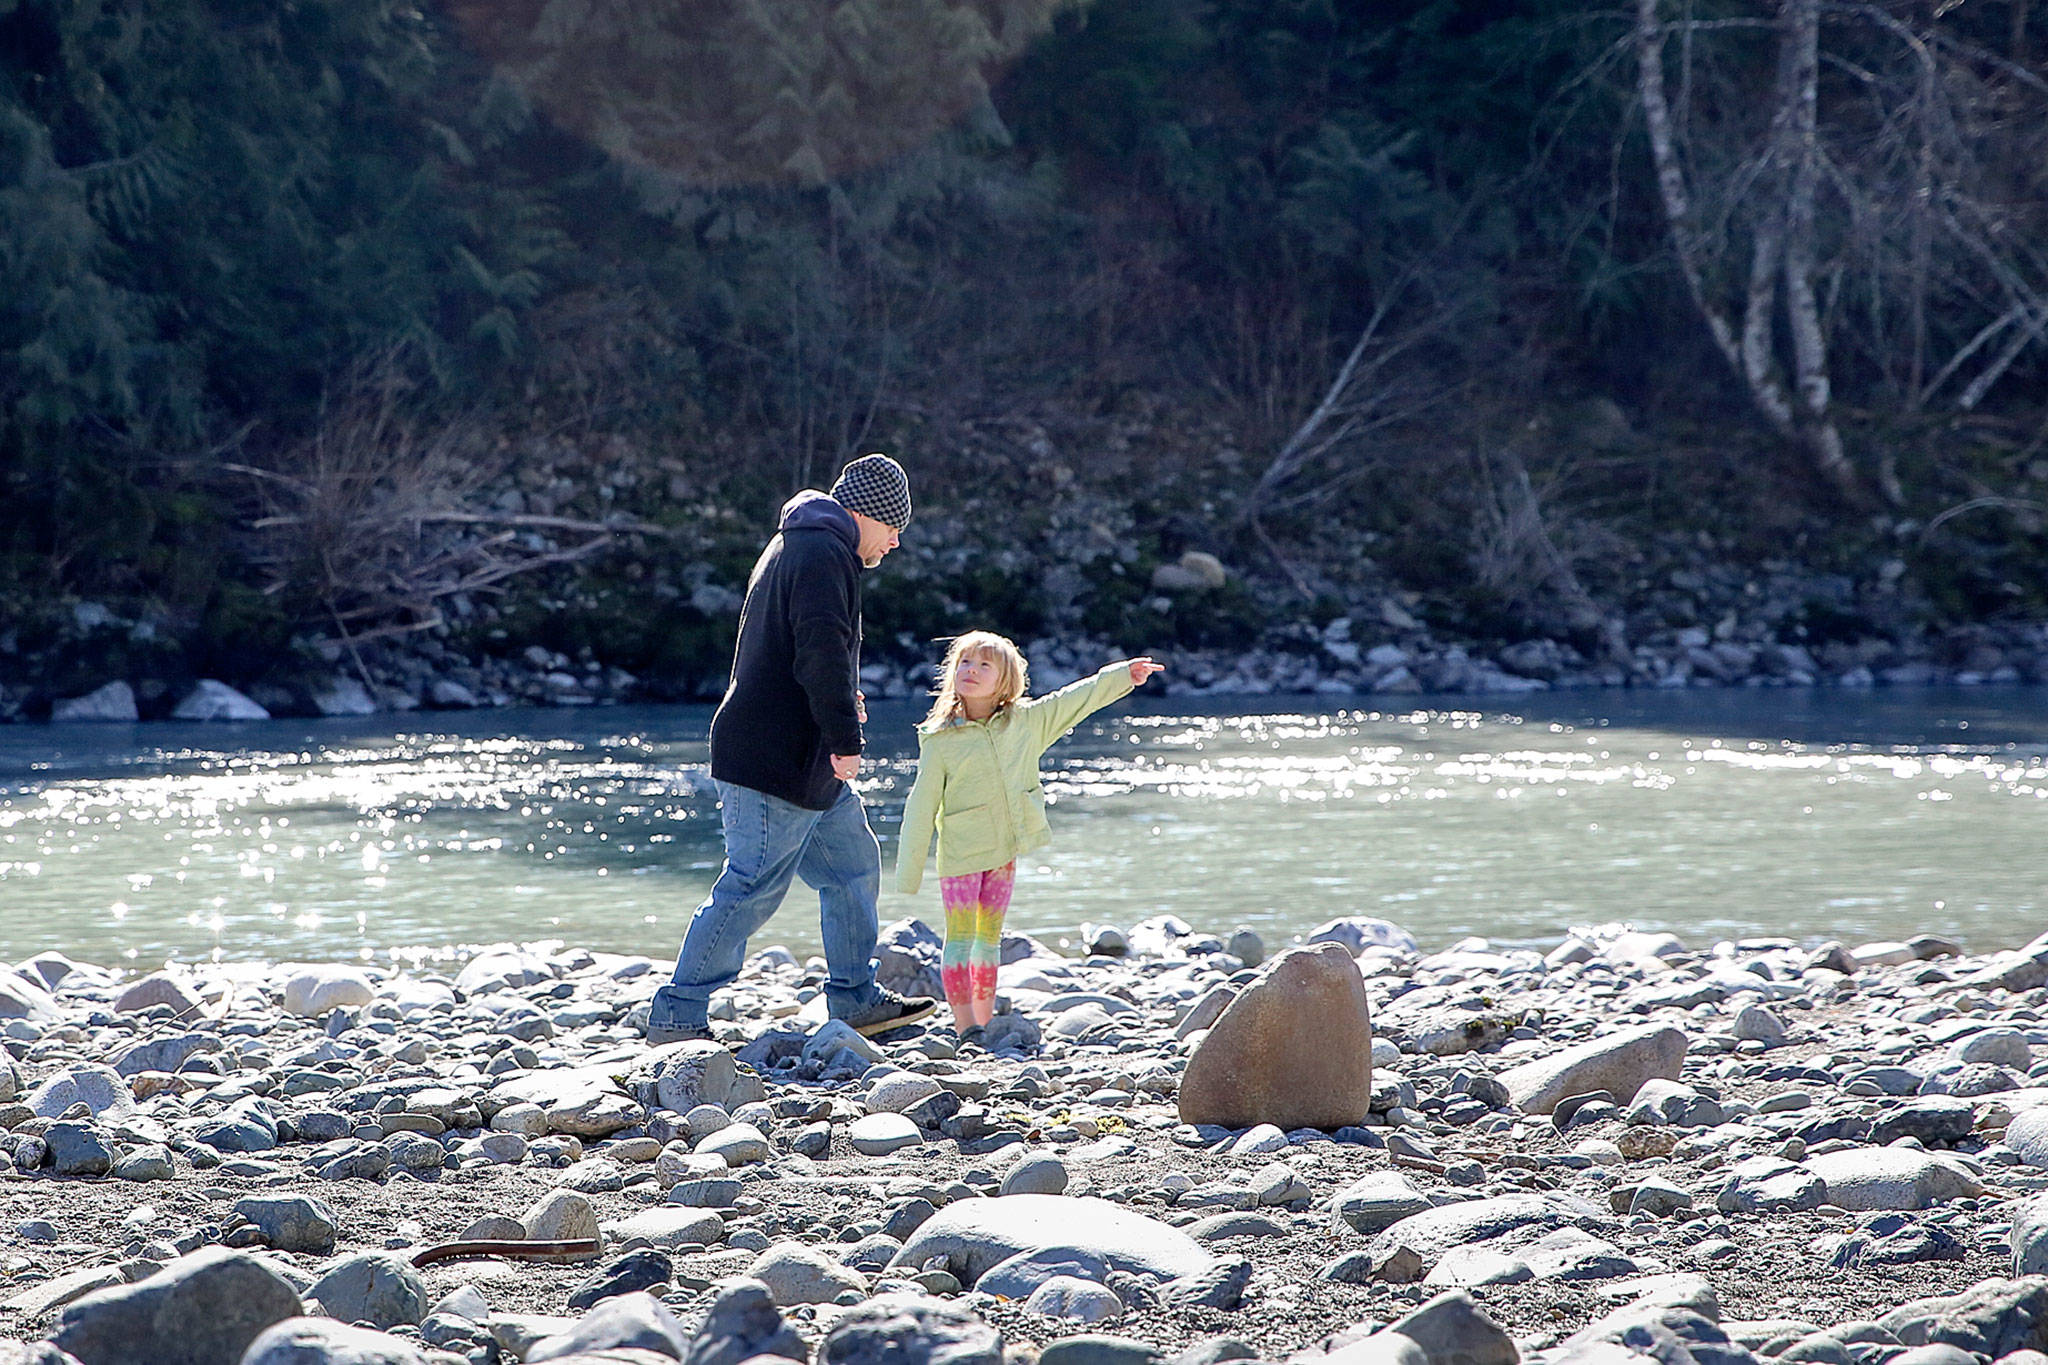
(1816, 422)
(1781, 240)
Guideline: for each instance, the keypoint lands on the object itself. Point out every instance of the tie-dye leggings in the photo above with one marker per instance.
(975, 905)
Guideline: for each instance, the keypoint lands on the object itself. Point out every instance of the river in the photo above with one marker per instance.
(1811, 814)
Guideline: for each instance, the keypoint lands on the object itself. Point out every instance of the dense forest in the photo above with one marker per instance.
(337, 330)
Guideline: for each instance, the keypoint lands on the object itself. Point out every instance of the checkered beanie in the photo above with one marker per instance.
(875, 486)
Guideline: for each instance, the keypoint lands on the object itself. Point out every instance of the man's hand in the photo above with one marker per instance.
(846, 767)
(860, 707)
(1144, 667)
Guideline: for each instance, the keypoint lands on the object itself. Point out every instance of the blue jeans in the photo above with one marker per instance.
(767, 842)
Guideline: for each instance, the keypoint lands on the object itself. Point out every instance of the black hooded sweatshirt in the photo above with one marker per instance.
(790, 704)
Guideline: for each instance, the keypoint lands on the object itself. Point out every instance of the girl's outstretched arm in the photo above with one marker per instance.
(1055, 713)
(920, 821)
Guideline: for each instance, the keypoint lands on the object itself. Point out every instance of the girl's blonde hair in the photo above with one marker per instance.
(1013, 674)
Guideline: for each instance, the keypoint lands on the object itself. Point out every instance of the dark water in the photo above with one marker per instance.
(1822, 813)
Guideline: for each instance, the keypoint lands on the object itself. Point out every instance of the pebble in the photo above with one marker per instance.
(1847, 1111)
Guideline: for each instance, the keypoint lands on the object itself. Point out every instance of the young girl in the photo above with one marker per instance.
(977, 785)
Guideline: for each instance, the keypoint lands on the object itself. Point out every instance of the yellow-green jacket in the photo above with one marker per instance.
(977, 780)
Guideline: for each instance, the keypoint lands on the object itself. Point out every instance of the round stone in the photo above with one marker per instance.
(1036, 1173)
(881, 1134)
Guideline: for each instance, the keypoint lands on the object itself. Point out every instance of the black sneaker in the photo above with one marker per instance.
(889, 1010)
(658, 1034)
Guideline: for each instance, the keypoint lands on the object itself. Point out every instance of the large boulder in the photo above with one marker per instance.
(1380, 1348)
(668, 1227)
(78, 1149)
(1659, 1101)
(201, 1309)
(976, 1234)
(344, 696)
(247, 1125)
(560, 1216)
(1618, 1063)
(1769, 1184)
(1020, 1276)
(1294, 1049)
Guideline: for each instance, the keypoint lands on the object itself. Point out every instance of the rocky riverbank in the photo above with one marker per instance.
(1624, 1147)
(1141, 556)
(1338, 658)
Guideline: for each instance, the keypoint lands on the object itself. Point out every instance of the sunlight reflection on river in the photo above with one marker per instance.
(1813, 815)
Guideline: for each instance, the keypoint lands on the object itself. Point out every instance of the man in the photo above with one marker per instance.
(785, 745)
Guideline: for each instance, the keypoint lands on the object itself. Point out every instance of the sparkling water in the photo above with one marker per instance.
(1803, 814)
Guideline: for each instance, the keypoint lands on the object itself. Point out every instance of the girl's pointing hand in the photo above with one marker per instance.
(1144, 667)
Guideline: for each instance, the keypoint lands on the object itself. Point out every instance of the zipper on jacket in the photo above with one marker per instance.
(1002, 785)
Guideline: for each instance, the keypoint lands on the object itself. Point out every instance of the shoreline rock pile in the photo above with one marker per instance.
(1171, 1150)
(1376, 648)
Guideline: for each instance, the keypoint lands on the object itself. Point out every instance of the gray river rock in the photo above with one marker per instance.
(1619, 1063)
(1514, 1217)
(200, 1310)
(976, 1235)
(1891, 1178)
(2027, 1135)
(1763, 1193)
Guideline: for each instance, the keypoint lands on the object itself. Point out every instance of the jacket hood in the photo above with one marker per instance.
(811, 510)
